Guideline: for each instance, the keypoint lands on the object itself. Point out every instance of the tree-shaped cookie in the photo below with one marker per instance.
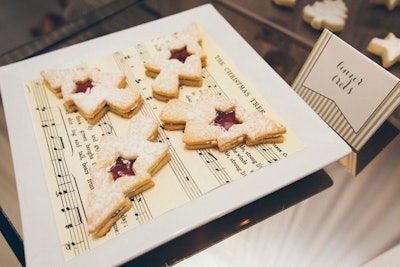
(329, 14)
(124, 167)
(388, 49)
(179, 61)
(93, 92)
(214, 121)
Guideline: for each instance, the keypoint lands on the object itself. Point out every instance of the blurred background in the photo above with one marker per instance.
(23, 20)
(360, 215)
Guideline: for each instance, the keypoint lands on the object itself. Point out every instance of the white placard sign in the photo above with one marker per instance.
(353, 94)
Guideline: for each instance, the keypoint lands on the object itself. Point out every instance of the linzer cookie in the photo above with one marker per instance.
(214, 121)
(124, 167)
(93, 92)
(179, 61)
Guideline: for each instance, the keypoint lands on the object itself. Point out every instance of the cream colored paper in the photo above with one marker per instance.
(68, 146)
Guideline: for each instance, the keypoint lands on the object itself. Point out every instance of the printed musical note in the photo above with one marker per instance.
(70, 245)
(211, 155)
(79, 215)
(65, 209)
(215, 167)
(106, 127)
(60, 193)
(57, 160)
(59, 143)
(267, 151)
(44, 125)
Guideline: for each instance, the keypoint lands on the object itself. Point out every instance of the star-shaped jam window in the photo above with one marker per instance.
(214, 121)
(388, 49)
(178, 61)
(125, 165)
(93, 92)
(180, 54)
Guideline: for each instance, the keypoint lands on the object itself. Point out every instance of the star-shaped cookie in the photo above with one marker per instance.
(177, 62)
(388, 49)
(214, 121)
(93, 92)
(124, 167)
(329, 14)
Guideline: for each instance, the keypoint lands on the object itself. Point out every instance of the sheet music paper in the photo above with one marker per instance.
(68, 145)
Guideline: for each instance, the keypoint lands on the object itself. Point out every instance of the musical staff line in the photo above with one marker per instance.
(67, 191)
(212, 84)
(69, 139)
(106, 126)
(141, 209)
(267, 152)
(214, 166)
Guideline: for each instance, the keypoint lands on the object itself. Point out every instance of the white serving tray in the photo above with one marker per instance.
(42, 245)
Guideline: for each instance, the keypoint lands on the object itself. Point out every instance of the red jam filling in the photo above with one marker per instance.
(115, 214)
(82, 87)
(122, 167)
(226, 120)
(180, 54)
